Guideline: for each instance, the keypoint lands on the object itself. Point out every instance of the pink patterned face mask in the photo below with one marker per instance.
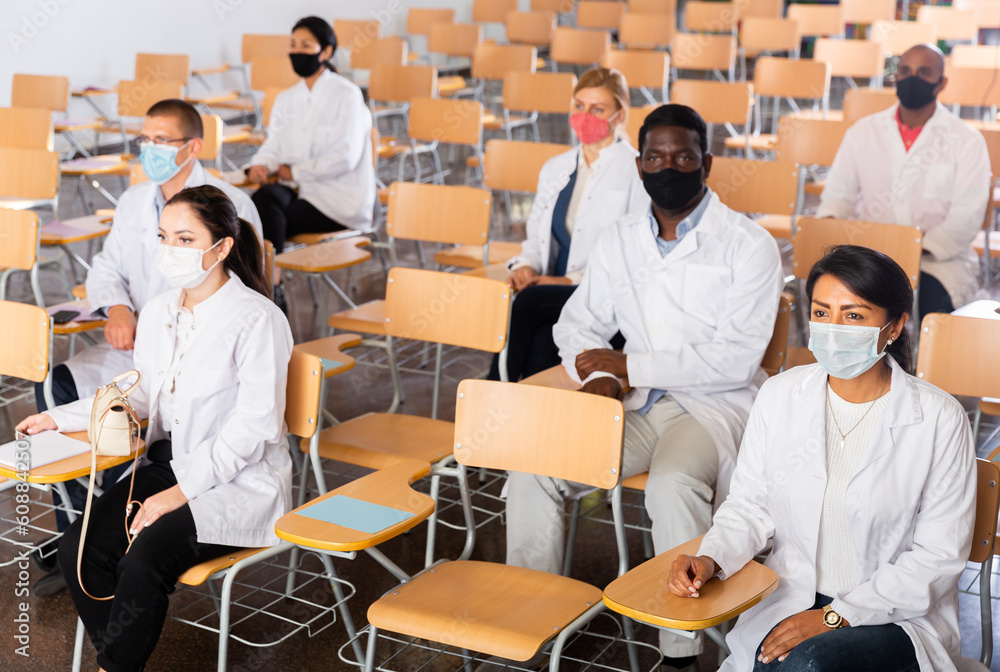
(589, 128)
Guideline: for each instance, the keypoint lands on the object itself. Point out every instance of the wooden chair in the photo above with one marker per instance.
(29, 179)
(867, 12)
(52, 93)
(26, 128)
(509, 611)
(634, 120)
(492, 11)
(253, 46)
(852, 59)
(859, 103)
(352, 33)
(644, 70)
(599, 14)
(420, 19)
(971, 87)
(532, 28)
(817, 20)
(571, 46)
(813, 144)
(707, 53)
(434, 121)
(396, 85)
(175, 67)
(493, 62)
(513, 166)
(974, 56)
(646, 31)
(63, 233)
(668, 7)
(987, 12)
(950, 23)
(26, 332)
(531, 94)
(19, 249)
(766, 191)
(702, 16)
(898, 36)
(454, 40)
(718, 103)
(769, 35)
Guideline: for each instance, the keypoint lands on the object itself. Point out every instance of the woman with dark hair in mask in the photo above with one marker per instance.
(318, 151)
(864, 479)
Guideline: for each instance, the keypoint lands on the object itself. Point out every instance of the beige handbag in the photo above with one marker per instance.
(114, 431)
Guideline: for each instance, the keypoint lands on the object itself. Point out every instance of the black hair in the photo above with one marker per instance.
(185, 113)
(876, 278)
(216, 211)
(675, 115)
(323, 32)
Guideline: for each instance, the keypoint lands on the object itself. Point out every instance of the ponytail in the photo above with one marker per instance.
(246, 259)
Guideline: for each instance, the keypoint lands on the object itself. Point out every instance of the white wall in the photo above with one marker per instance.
(94, 42)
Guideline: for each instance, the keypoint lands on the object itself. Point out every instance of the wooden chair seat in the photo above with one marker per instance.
(379, 440)
(779, 226)
(236, 134)
(493, 272)
(368, 318)
(524, 608)
(637, 482)
(131, 128)
(392, 151)
(497, 123)
(211, 97)
(555, 376)
(71, 125)
(979, 244)
(311, 238)
(325, 257)
(383, 196)
(80, 291)
(197, 575)
(448, 85)
(84, 228)
(815, 188)
(330, 350)
(799, 357)
(990, 406)
(110, 164)
(719, 600)
(240, 104)
(471, 256)
(764, 142)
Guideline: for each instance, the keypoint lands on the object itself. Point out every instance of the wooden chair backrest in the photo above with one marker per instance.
(18, 239)
(267, 104)
(26, 128)
(716, 102)
(495, 61)
(449, 308)
(302, 394)
(791, 77)
(646, 31)
(162, 66)
(851, 58)
(633, 122)
(546, 92)
(991, 133)
(777, 347)
(817, 20)
(492, 11)
(951, 23)
(579, 47)
(959, 354)
(390, 50)
(755, 186)
(974, 87)
(268, 259)
(703, 52)
(539, 430)
(25, 331)
(31, 174)
(458, 122)
(668, 7)
(601, 14)
(534, 28)
(552, 6)
(704, 16)
(641, 68)
(258, 45)
(513, 165)
(972, 56)
(454, 39)
(759, 33)
(420, 19)
(867, 12)
(44, 91)
(984, 530)
(438, 213)
(987, 12)
(402, 83)
(859, 103)
(136, 97)
(898, 36)
(212, 139)
(353, 32)
(272, 72)
(136, 175)
(815, 236)
(767, 9)
(809, 142)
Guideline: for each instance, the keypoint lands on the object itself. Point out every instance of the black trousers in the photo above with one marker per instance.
(934, 297)
(283, 215)
(125, 630)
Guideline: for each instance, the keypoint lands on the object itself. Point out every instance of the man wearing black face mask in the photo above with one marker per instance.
(917, 164)
(694, 288)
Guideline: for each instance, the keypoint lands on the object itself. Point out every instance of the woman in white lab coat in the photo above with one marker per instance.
(318, 147)
(864, 479)
(213, 357)
(581, 192)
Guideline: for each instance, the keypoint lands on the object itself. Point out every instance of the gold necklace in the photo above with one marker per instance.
(843, 436)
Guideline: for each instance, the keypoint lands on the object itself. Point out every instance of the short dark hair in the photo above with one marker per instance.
(876, 278)
(675, 115)
(323, 32)
(183, 112)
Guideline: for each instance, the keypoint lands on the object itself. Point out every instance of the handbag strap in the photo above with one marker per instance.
(125, 376)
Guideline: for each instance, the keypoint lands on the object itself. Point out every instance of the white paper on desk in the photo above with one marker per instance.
(46, 448)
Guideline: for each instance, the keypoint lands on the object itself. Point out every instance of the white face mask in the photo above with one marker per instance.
(845, 350)
(181, 266)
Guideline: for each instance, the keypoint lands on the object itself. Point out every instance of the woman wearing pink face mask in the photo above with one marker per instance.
(580, 193)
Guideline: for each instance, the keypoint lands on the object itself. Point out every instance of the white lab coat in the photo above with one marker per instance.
(125, 273)
(230, 453)
(324, 134)
(940, 186)
(696, 323)
(910, 505)
(613, 190)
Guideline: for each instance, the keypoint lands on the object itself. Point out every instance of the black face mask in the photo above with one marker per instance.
(915, 93)
(305, 65)
(672, 189)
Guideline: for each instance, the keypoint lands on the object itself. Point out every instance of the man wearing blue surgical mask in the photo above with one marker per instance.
(124, 275)
(917, 164)
(694, 288)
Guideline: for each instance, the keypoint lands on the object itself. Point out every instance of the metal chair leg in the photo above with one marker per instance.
(78, 646)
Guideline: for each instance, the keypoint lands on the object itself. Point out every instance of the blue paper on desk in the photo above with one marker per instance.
(355, 514)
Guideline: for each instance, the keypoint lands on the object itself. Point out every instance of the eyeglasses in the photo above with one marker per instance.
(160, 140)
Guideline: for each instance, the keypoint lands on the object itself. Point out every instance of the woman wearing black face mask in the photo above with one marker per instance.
(318, 152)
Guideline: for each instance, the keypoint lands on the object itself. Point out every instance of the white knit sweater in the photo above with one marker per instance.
(836, 557)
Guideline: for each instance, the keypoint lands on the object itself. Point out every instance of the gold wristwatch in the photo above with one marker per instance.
(831, 618)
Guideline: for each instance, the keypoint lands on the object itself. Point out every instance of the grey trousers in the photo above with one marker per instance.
(683, 466)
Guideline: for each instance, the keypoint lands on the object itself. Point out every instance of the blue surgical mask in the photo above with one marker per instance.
(159, 162)
(845, 350)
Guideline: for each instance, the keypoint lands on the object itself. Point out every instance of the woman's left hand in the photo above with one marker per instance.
(790, 633)
(285, 173)
(156, 506)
